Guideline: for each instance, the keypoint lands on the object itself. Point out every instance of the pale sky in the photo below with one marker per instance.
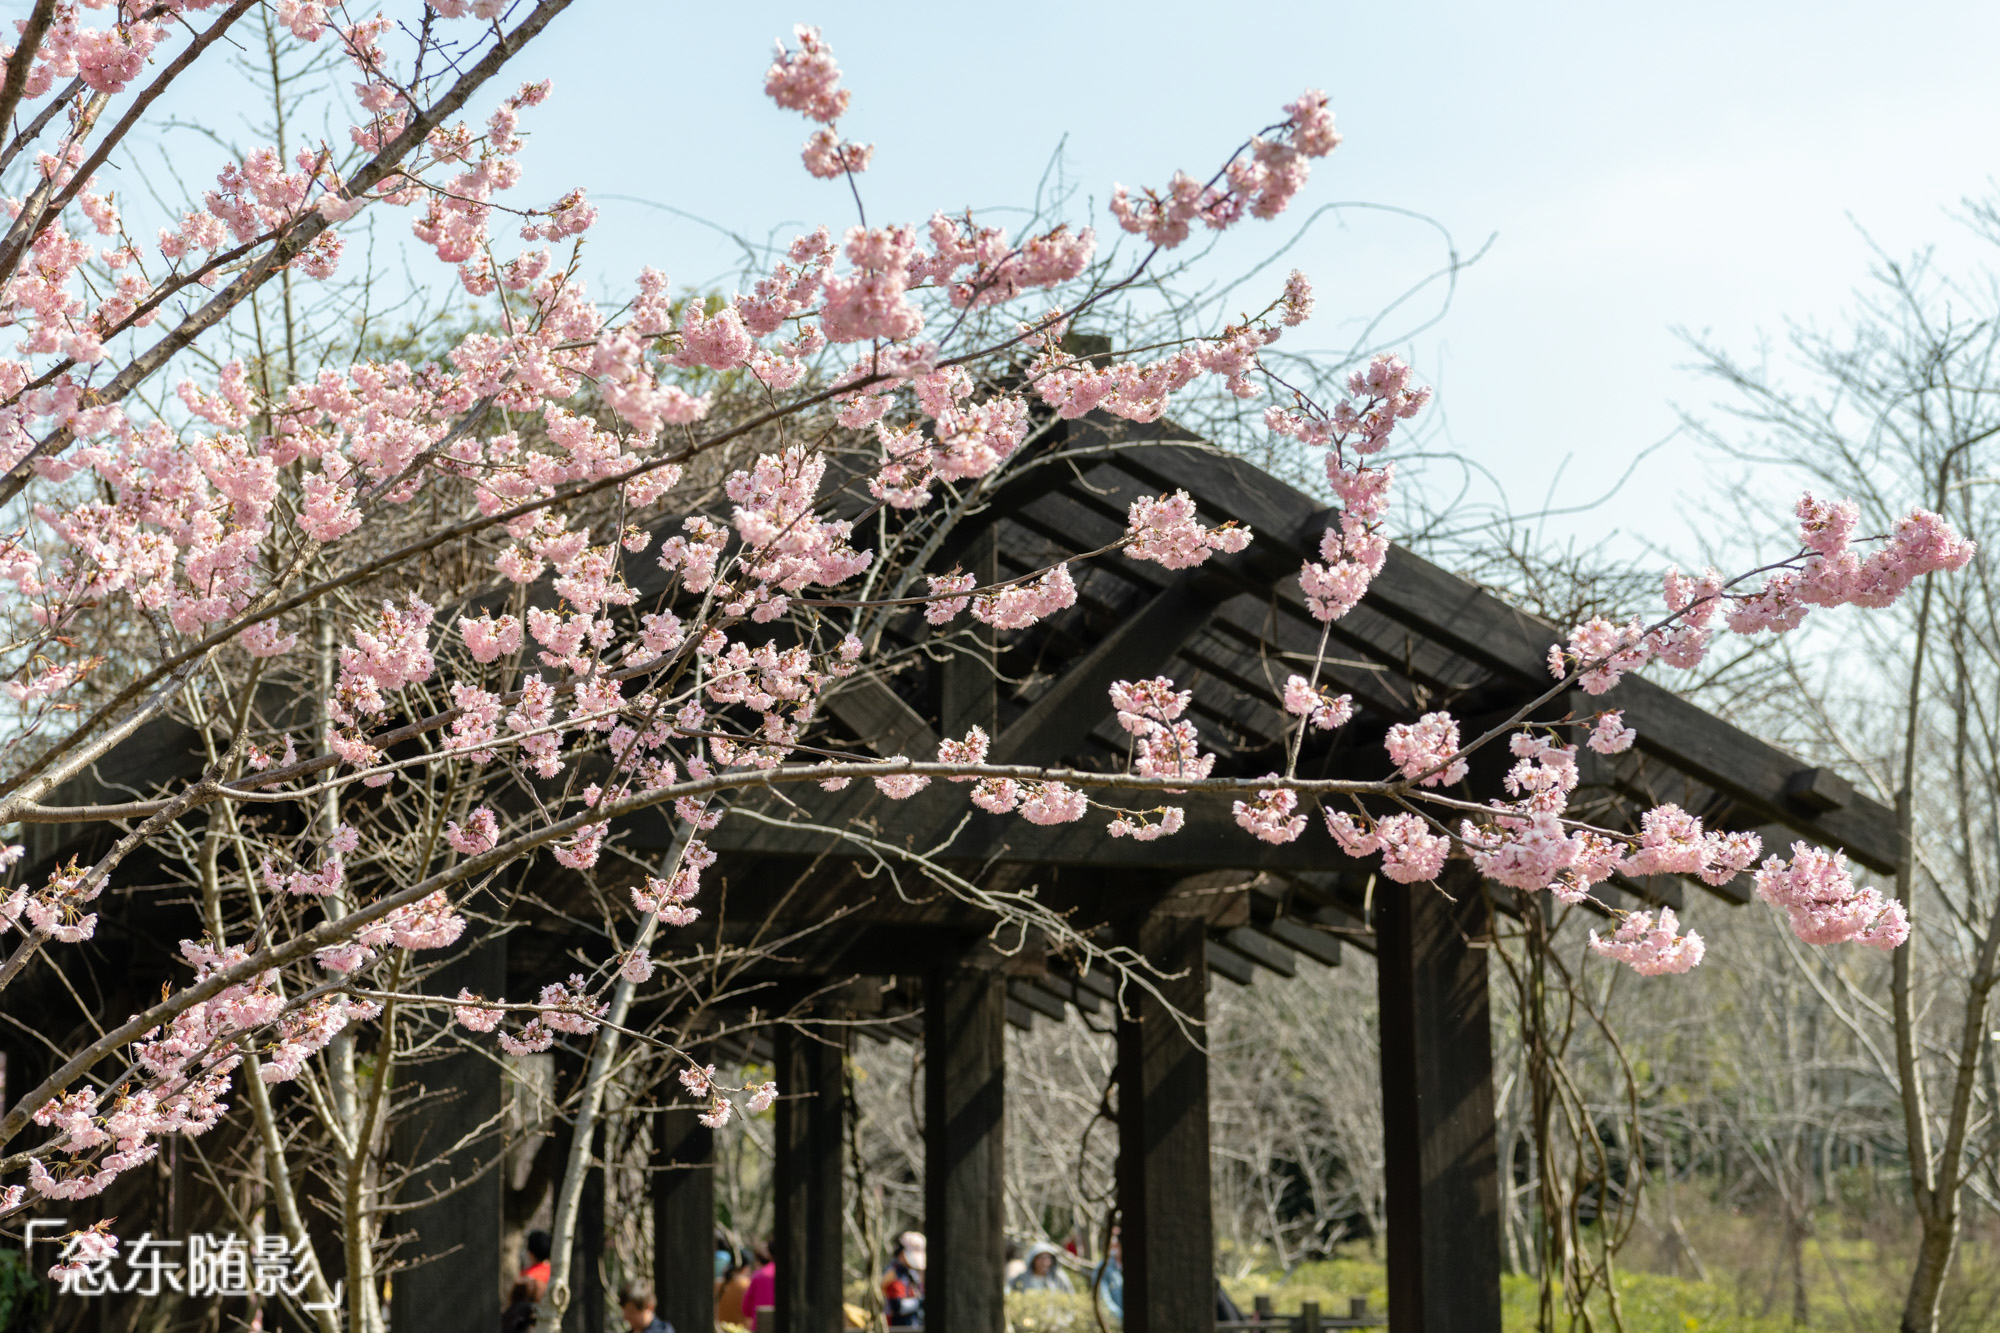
(1641, 168)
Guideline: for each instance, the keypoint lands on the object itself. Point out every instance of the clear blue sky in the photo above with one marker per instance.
(1644, 167)
(1639, 169)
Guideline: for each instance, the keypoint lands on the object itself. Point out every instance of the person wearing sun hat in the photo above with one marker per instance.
(903, 1284)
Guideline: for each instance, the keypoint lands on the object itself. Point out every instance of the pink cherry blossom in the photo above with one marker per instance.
(1051, 803)
(1165, 532)
(996, 795)
(84, 1249)
(1271, 815)
(1411, 853)
(971, 750)
(1649, 945)
(1320, 707)
(476, 1018)
(901, 786)
(807, 80)
(1298, 299)
(1135, 825)
(946, 598)
(829, 157)
(1146, 706)
(871, 301)
(1023, 604)
(1610, 735)
(1823, 903)
(1430, 743)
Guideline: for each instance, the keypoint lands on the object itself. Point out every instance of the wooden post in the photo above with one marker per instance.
(684, 1218)
(1167, 1231)
(1441, 1160)
(460, 1234)
(965, 1151)
(811, 1114)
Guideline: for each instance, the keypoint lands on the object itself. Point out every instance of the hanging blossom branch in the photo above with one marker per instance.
(550, 450)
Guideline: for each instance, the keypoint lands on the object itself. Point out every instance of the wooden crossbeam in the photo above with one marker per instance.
(1034, 997)
(1071, 707)
(881, 717)
(1470, 621)
(1226, 962)
(1261, 950)
(1314, 944)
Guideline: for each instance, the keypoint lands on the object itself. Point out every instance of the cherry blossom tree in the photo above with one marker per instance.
(444, 557)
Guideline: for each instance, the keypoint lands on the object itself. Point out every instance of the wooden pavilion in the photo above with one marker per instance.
(898, 958)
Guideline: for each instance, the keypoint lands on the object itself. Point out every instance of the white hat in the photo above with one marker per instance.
(912, 1245)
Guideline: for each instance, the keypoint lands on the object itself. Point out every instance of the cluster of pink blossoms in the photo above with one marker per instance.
(1830, 572)
(1356, 548)
(999, 270)
(1273, 816)
(56, 909)
(430, 923)
(1164, 745)
(187, 1066)
(1139, 390)
(1649, 945)
(1165, 532)
(1316, 704)
(1260, 183)
(1410, 851)
(808, 81)
(1427, 749)
(1823, 903)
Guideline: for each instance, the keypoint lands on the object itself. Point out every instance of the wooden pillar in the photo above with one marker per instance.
(965, 1150)
(684, 1218)
(1168, 1231)
(1442, 1166)
(456, 1245)
(808, 1176)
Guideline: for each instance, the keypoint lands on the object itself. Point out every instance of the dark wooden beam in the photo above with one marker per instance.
(965, 1045)
(807, 1181)
(458, 1238)
(968, 682)
(1224, 961)
(1262, 950)
(684, 1218)
(880, 717)
(1448, 610)
(1048, 1005)
(1441, 1167)
(1056, 724)
(1210, 840)
(1314, 944)
(1168, 1235)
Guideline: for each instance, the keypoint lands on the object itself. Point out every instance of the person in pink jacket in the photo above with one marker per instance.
(763, 1290)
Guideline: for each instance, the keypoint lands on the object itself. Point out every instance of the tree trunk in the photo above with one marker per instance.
(1935, 1250)
(1796, 1228)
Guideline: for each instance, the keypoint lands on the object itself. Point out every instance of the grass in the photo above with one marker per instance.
(1651, 1303)
(1855, 1266)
